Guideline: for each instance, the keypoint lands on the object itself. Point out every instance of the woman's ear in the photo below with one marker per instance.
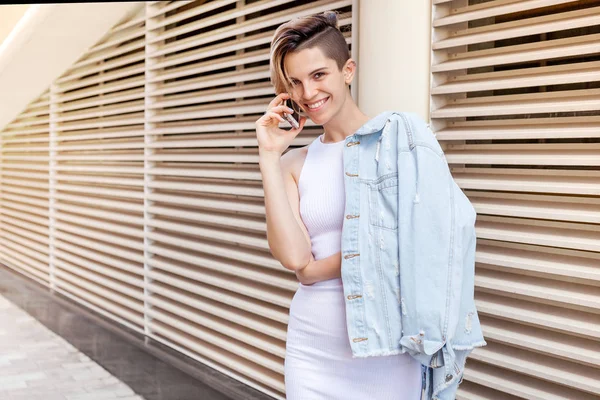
(349, 70)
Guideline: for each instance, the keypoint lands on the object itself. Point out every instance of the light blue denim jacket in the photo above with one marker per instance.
(408, 251)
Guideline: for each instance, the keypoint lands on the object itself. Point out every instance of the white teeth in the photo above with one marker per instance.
(317, 105)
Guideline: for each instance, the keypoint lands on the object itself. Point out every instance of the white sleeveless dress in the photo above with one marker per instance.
(318, 362)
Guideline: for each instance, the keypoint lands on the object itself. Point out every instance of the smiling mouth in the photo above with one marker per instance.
(317, 105)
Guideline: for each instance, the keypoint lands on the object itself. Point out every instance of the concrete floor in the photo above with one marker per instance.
(52, 348)
(35, 363)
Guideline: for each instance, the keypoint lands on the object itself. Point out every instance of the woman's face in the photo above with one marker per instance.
(318, 86)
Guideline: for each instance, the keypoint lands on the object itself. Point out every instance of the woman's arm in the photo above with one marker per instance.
(321, 270)
(288, 239)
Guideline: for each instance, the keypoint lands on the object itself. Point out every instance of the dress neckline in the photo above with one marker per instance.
(320, 139)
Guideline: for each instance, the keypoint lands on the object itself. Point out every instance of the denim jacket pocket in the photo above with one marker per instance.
(383, 202)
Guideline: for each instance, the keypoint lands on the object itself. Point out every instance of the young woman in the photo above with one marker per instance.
(304, 199)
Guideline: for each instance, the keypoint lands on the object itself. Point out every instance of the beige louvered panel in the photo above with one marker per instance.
(576, 154)
(576, 350)
(570, 235)
(24, 174)
(132, 186)
(98, 108)
(582, 182)
(550, 22)
(233, 29)
(482, 381)
(540, 366)
(535, 289)
(556, 102)
(253, 291)
(236, 262)
(538, 128)
(217, 357)
(532, 261)
(571, 46)
(138, 20)
(121, 61)
(539, 315)
(219, 327)
(122, 49)
(492, 9)
(230, 306)
(162, 7)
(562, 208)
(515, 89)
(207, 83)
(554, 75)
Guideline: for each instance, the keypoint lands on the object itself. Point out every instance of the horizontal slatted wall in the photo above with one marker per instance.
(99, 179)
(136, 190)
(216, 292)
(24, 192)
(516, 105)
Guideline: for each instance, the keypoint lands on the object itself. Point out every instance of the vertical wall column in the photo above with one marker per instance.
(1, 193)
(240, 53)
(151, 8)
(355, 46)
(52, 144)
(394, 56)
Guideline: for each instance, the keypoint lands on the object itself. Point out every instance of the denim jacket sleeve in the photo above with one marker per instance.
(437, 260)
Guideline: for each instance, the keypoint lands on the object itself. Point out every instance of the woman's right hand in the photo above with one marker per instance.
(270, 137)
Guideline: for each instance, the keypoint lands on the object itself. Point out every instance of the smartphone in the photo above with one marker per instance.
(292, 119)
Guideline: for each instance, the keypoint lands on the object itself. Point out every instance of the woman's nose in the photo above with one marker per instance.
(310, 91)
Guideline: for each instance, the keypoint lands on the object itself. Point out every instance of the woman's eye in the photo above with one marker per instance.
(318, 75)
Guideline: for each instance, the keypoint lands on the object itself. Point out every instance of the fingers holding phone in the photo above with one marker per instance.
(291, 120)
(270, 136)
